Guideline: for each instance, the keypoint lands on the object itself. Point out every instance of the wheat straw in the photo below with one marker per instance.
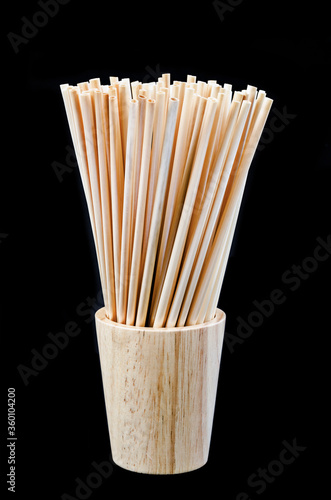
(164, 167)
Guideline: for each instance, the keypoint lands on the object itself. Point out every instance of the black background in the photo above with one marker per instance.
(272, 386)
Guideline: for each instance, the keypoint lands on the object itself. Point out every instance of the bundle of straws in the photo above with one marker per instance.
(163, 167)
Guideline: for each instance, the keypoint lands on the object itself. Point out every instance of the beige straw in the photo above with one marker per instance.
(147, 276)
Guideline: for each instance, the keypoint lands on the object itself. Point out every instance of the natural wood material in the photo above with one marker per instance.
(140, 217)
(173, 208)
(163, 167)
(200, 109)
(217, 188)
(127, 203)
(235, 197)
(160, 387)
(116, 187)
(186, 214)
(161, 188)
(158, 205)
(105, 206)
(158, 131)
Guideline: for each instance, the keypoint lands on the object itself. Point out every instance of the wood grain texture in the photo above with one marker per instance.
(160, 387)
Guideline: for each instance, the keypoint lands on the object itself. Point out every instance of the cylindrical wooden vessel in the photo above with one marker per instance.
(160, 387)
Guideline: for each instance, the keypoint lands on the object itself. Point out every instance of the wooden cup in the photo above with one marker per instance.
(160, 387)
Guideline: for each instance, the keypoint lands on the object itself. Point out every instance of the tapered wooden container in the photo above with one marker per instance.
(160, 388)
